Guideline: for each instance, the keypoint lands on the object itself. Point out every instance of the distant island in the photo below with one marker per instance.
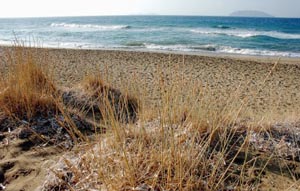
(250, 14)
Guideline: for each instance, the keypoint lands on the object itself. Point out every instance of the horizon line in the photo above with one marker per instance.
(137, 14)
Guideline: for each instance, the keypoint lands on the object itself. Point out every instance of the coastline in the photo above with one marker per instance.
(258, 58)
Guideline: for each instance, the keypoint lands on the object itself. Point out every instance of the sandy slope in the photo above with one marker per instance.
(24, 166)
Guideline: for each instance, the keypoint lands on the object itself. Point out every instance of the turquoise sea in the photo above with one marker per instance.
(234, 35)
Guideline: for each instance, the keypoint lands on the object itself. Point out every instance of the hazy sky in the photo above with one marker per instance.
(36, 8)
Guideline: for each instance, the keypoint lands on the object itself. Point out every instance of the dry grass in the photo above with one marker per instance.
(27, 91)
(184, 143)
(188, 141)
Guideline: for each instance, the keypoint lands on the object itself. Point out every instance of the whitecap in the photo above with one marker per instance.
(90, 26)
(256, 52)
(245, 33)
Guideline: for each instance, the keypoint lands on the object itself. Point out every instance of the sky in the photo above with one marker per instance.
(44, 8)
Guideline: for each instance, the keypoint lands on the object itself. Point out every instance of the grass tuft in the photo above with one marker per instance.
(123, 106)
(27, 90)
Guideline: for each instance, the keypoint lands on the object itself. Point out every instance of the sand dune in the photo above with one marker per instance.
(267, 87)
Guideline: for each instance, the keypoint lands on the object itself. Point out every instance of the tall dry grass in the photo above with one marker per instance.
(123, 106)
(186, 142)
(189, 141)
(27, 90)
(28, 94)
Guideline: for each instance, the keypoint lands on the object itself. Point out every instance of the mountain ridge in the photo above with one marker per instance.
(250, 13)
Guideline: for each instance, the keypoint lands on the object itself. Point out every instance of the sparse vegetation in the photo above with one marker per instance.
(188, 141)
(27, 91)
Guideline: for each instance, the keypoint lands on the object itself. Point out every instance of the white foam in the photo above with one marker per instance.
(180, 47)
(176, 47)
(165, 47)
(245, 33)
(256, 52)
(90, 26)
(220, 49)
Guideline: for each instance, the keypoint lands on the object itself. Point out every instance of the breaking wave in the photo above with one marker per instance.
(90, 26)
(256, 52)
(246, 33)
(212, 48)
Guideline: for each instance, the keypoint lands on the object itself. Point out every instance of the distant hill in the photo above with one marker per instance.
(250, 14)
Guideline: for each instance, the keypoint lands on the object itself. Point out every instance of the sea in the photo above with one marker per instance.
(197, 34)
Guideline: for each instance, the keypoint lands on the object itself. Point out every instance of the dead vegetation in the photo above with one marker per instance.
(186, 142)
(26, 90)
(30, 101)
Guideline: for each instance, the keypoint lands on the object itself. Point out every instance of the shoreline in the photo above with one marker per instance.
(244, 57)
(218, 55)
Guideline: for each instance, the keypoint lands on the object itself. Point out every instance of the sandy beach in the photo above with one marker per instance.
(267, 86)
